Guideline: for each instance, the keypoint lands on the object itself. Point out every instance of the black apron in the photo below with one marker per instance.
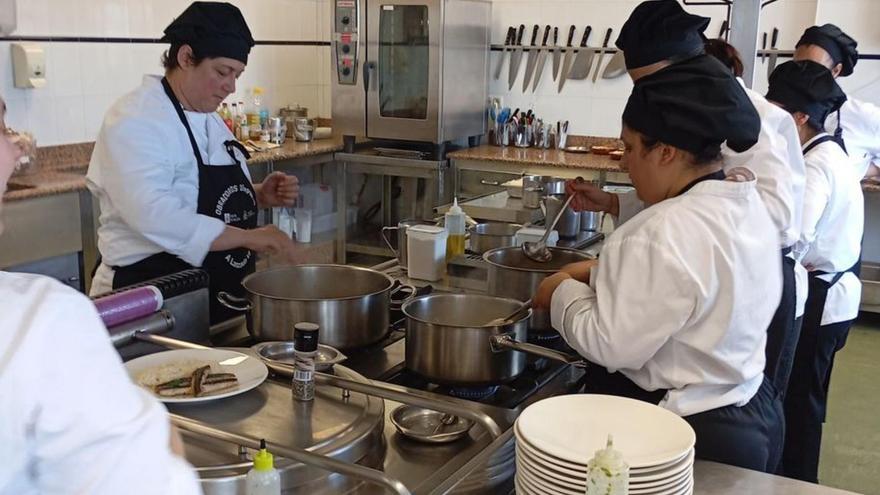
(226, 193)
(782, 334)
(748, 436)
(807, 395)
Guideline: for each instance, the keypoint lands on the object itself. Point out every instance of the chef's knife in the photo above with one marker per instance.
(557, 52)
(721, 32)
(515, 58)
(774, 37)
(616, 66)
(566, 60)
(542, 58)
(508, 41)
(764, 48)
(602, 54)
(580, 68)
(533, 58)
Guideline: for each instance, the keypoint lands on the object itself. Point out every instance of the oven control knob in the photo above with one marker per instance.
(346, 71)
(346, 48)
(346, 20)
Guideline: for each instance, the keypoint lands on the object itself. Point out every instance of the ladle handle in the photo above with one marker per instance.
(556, 220)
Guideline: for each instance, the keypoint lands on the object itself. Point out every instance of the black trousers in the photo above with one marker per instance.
(782, 334)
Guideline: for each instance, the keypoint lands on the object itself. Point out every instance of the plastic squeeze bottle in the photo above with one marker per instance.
(455, 226)
(263, 479)
(607, 472)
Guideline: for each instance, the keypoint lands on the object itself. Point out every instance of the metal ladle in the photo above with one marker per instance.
(537, 251)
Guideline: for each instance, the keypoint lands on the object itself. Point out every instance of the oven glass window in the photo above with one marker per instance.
(403, 61)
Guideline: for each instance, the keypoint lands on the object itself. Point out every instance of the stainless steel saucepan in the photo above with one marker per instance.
(488, 236)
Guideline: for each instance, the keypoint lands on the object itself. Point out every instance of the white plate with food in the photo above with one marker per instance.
(197, 375)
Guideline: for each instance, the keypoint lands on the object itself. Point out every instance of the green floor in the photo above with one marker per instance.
(851, 442)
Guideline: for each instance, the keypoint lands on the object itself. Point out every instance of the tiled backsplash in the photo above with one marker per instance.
(84, 78)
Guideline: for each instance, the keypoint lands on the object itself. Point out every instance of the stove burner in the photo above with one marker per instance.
(473, 393)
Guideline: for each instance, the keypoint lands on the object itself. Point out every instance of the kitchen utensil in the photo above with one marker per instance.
(773, 52)
(616, 66)
(508, 42)
(400, 249)
(424, 425)
(282, 352)
(448, 342)
(569, 224)
(567, 59)
(576, 149)
(538, 251)
(512, 316)
(591, 221)
(249, 371)
(764, 47)
(512, 274)
(602, 54)
(557, 53)
(351, 314)
(303, 129)
(533, 58)
(723, 31)
(487, 236)
(580, 68)
(515, 58)
(531, 197)
(542, 58)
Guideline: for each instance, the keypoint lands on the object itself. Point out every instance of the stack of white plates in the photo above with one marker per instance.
(556, 437)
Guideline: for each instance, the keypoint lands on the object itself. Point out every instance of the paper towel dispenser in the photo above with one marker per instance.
(28, 65)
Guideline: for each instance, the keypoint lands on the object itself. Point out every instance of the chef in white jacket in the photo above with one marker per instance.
(829, 247)
(677, 306)
(857, 122)
(72, 421)
(660, 33)
(171, 180)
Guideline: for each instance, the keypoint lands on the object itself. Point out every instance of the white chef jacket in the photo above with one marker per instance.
(831, 236)
(860, 122)
(682, 297)
(146, 179)
(72, 421)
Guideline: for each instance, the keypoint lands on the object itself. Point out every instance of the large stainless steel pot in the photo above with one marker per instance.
(513, 275)
(349, 303)
(449, 340)
(489, 236)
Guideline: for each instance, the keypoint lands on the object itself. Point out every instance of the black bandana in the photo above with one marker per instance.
(808, 87)
(212, 29)
(659, 30)
(841, 47)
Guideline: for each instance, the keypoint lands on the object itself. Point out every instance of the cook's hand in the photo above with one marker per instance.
(548, 286)
(580, 270)
(268, 240)
(279, 189)
(176, 441)
(591, 198)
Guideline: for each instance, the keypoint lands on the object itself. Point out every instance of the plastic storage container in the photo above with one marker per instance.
(426, 248)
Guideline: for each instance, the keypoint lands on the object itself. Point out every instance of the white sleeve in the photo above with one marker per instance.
(137, 177)
(629, 206)
(639, 299)
(816, 197)
(93, 430)
(798, 169)
(873, 146)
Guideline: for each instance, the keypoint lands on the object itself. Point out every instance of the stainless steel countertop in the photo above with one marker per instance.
(712, 478)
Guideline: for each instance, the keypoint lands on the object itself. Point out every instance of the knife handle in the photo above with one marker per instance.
(555, 35)
(774, 38)
(570, 35)
(519, 35)
(607, 38)
(764, 41)
(535, 34)
(723, 30)
(511, 34)
(546, 35)
(586, 37)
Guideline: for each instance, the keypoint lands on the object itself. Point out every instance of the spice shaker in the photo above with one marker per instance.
(305, 348)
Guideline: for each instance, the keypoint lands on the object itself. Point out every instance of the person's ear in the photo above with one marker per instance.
(185, 57)
(836, 70)
(800, 118)
(668, 154)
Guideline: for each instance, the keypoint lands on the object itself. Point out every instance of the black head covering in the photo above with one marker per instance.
(808, 87)
(212, 29)
(838, 44)
(695, 105)
(659, 30)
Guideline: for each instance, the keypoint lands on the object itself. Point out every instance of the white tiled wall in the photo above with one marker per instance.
(86, 78)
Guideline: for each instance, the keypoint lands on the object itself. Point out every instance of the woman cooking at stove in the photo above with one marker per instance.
(677, 307)
(172, 182)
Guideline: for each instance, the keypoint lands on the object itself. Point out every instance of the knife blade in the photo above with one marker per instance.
(542, 58)
(566, 60)
(580, 68)
(721, 32)
(772, 65)
(508, 41)
(616, 66)
(602, 54)
(515, 58)
(533, 58)
(764, 48)
(557, 52)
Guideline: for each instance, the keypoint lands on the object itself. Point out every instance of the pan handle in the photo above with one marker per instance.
(230, 302)
(503, 342)
(397, 305)
(385, 238)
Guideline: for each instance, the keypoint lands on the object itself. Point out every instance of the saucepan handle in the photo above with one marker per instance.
(388, 242)
(234, 303)
(395, 304)
(505, 342)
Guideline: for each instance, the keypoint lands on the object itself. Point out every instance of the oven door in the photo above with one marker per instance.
(403, 93)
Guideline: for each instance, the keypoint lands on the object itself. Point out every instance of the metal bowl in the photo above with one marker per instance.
(419, 424)
(282, 352)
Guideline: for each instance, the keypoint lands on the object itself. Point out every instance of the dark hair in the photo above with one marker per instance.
(707, 156)
(727, 54)
(169, 58)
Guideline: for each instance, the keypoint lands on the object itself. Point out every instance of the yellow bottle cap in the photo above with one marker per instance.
(263, 460)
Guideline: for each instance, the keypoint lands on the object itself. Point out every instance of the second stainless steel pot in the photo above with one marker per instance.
(350, 304)
(449, 340)
(488, 236)
(512, 274)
